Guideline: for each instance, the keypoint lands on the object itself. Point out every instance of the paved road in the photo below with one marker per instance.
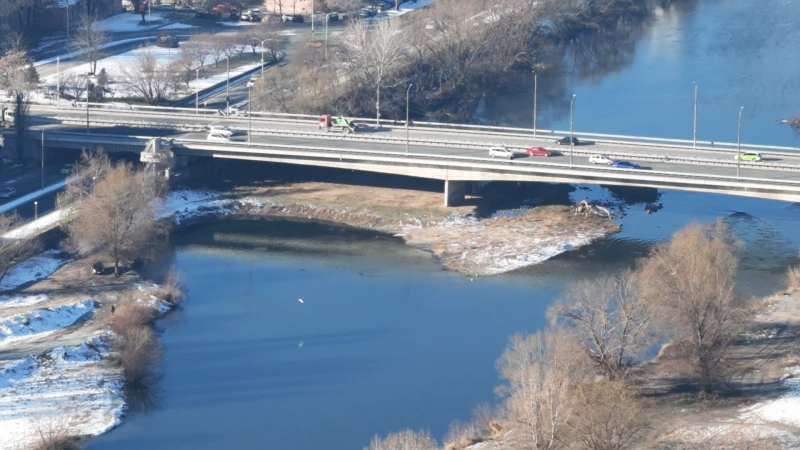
(459, 141)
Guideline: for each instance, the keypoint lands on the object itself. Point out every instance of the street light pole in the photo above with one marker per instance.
(227, 85)
(408, 92)
(739, 142)
(571, 137)
(327, 17)
(197, 92)
(695, 115)
(36, 210)
(312, 20)
(262, 57)
(87, 103)
(42, 158)
(249, 111)
(58, 81)
(94, 186)
(535, 89)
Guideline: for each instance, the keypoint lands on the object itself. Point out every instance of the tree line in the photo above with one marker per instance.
(450, 54)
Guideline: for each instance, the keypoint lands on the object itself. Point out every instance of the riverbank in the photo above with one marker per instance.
(460, 240)
(59, 376)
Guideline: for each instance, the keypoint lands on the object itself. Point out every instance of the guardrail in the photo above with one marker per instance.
(605, 139)
(579, 151)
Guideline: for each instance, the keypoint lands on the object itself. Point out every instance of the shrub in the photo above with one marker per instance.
(171, 291)
(130, 313)
(139, 352)
(793, 275)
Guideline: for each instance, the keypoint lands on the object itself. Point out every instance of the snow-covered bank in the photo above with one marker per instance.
(466, 244)
(785, 409)
(37, 323)
(70, 391)
(34, 269)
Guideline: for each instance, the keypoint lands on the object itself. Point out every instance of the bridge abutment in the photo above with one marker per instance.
(454, 192)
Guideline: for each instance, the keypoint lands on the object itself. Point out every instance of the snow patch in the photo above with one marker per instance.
(129, 21)
(148, 299)
(188, 204)
(34, 269)
(36, 323)
(785, 409)
(72, 389)
(177, 26)
(19, 301)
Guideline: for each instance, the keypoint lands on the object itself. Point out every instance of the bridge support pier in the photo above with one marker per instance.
(454, 192)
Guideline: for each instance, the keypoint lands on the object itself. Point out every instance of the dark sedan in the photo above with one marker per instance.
(568, 141)
(625, 165)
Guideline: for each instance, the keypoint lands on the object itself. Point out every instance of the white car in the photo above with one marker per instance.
(501, 152)
(601, 159)
(67, 169)
(7, 192)
(221, 130)
(218, 138)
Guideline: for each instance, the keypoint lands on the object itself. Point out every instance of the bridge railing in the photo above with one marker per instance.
(420, 125)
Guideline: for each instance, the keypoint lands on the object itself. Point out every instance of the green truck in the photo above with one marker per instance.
(341, 124)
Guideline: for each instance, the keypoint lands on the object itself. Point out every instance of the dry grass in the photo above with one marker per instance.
(793, 277)
(54, 435)
(172, 289)
(130, 313)
(139, 352)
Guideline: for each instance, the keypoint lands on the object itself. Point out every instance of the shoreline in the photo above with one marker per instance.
(55, 352)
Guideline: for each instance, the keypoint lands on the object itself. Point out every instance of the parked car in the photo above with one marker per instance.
(167, 40)
(366, 12)
(501, 152)
(601, 159)
(67, 169)
(207, 15)
(185, 8)
(163, 8)
(748, 156)
(8, 192)
(538, 151)
(568, 141)
(625, 165)
(292, 18)
(218, 138)
(221, 130)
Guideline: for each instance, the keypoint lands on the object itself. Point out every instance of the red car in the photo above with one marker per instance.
(538, 151)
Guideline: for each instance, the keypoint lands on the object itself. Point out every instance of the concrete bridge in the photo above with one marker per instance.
(455, 154)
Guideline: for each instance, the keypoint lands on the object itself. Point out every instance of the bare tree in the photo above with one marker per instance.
(147, 77)
(607, 416)
(12, 71)
(14, 249)
(611, 319)
(403, 440)
(89, 39)
(375, 51)
(691, 280)
(541, 371)
(119, 218)
(82, 182)
(217, 47)
(196, 49)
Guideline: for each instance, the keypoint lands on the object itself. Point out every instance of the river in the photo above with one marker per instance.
(384, 339)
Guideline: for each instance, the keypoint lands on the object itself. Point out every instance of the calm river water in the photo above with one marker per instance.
(385, 339)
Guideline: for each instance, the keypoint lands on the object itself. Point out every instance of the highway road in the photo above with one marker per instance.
(442, 142)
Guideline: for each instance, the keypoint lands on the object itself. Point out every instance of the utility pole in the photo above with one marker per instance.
(312, 20)
(408, 92)
(695, 116)
(535, 90)
(739, 143)
(227, 86)
(327, 17)
(571, 136)
(87, 103)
